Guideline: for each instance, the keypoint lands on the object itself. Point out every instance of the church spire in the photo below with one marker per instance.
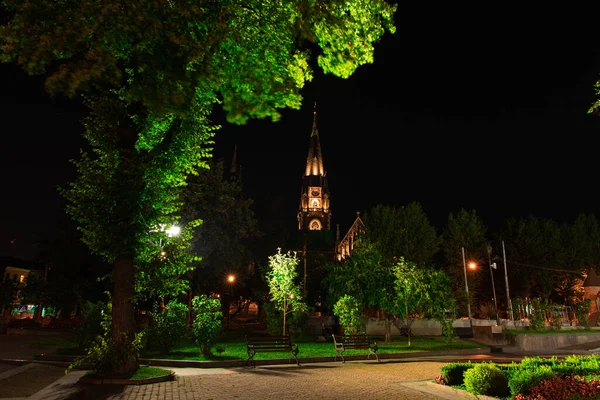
(314, 161)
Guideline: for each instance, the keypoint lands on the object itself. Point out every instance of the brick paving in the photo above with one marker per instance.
(352, 380)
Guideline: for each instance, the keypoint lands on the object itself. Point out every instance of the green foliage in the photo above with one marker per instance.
(92, 315)
(249, 52)
(228, 225)
(487, 379)
(453, 373)
(448, 330)
(285, 293)
(582, 311)
(538, 319)
(523, 379)
(349, 312)
(168, 327)
(207, 321)
(402, 232)
(464, 230)
(102, 355)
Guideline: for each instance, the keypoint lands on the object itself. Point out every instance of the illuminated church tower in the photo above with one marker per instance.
(314, 213)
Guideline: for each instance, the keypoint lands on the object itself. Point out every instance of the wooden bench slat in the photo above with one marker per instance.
(270, 344)
(354, 342)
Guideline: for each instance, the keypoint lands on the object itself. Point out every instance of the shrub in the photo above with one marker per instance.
(486, 379)
(167, 327)
(453, 373)
(537, 320)
(582, 310)
(348, 311)
(578, 365)
(102, 356)
(523, 379)
(295, 321)
(447, 329)
(91, 323)
(207, 322)
(563, 388)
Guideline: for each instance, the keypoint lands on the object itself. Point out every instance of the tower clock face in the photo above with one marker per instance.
(315, 193)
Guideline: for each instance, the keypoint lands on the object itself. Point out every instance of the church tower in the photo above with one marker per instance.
(314, 213)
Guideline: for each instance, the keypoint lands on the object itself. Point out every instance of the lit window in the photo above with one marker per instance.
(21, 278)
(315, 225)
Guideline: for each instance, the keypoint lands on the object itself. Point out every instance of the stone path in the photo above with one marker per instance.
(352, 380)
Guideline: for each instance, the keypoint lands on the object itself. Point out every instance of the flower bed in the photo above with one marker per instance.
(534, 378)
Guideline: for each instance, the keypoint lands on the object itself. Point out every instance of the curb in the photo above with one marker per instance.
(115, 381)
(66, 360)
(457, 393)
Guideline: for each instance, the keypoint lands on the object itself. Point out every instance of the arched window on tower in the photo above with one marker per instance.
(315, 225)
(315, 203)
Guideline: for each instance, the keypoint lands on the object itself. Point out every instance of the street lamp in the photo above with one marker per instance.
(493, 285)
(471, 265)
(230, 281)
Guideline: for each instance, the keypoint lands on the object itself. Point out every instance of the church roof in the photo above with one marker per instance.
(592, 279)
(314, 161)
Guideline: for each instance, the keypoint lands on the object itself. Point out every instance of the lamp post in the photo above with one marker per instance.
(467, 288)
(510, 309)
(493, 286)
(230, 281)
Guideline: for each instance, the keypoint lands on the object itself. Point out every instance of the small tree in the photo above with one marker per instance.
(207, 321)
(411, 289)
(284, 291)
(348, 310)
(582, 310)
(168, 326)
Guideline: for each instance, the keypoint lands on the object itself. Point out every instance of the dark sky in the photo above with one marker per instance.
(479, 109)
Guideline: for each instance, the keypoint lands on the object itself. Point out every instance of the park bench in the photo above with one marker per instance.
(267, 344)
(354, 342)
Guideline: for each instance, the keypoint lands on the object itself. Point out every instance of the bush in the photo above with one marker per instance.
(102, 356)
(578, 365)
(564, 388)
(207, 322)
(295, 321)
(582, 310)
(523, 379)
(486, 379)
(348, 311)
(91, 323)
(453, 373)
(167, 327)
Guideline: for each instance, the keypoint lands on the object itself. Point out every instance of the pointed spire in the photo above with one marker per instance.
(314, 162)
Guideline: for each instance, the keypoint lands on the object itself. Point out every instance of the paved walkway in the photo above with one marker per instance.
(352, 380)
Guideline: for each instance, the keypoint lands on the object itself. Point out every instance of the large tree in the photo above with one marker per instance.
(465, 230)
(403, 232)
(156, 69)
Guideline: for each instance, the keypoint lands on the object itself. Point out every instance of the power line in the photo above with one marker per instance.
(544, 268)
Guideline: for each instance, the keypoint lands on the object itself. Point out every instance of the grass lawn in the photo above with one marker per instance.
(236, 350)
(143, 372)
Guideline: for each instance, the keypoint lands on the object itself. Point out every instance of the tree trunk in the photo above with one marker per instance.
(407, 326)
(388, 327)
(189, 316)
(123, 319)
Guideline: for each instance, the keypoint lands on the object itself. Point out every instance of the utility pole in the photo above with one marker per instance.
(467, 289)
(510, 309)
(493, 285)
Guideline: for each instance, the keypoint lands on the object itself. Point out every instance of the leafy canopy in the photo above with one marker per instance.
(255, 54)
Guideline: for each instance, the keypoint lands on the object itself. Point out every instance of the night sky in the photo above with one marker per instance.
(479, 109)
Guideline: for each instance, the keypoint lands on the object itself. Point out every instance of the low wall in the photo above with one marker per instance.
(547, 342)
(422, 327)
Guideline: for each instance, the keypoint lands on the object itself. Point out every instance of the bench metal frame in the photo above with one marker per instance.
(354, 342)
(268, 344)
